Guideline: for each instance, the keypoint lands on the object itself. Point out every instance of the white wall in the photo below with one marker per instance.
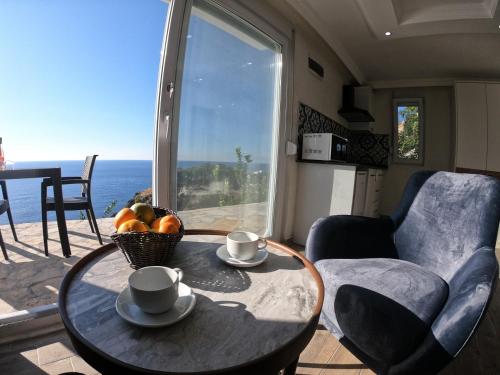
(324, 95)
(439, 134)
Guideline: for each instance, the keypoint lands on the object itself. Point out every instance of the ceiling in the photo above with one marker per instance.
(430, 39)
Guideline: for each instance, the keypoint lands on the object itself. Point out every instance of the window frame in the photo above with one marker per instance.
(418, 102)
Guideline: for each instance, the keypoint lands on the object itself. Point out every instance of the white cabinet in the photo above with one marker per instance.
(478, 125)
(322, 190)
(333, 189)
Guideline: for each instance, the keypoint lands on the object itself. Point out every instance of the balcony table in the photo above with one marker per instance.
(245, 321)
(55, 175)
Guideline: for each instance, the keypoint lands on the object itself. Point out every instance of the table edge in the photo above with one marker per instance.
(75, 335)
(29, 173)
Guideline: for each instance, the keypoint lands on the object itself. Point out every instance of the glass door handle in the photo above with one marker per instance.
(170, 89)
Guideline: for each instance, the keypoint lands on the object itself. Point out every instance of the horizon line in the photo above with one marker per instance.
(82, 160)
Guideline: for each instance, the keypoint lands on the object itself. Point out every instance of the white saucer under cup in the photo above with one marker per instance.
(259, 258)
(182, 307)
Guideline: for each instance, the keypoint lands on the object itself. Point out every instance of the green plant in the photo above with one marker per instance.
(213, 184)
(109, 210)
(242, 161)
(408, 133)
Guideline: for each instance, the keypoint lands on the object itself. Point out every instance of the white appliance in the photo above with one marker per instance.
(317, 146)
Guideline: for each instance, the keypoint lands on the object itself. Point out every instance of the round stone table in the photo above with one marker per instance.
(246, 320)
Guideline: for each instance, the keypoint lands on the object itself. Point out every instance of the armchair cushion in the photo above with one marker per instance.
(384, 306)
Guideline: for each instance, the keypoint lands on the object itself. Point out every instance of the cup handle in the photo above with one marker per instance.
(262, 244)
(180, 273)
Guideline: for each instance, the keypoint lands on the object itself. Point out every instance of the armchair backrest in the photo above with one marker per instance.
(88, 169)
(444, 217)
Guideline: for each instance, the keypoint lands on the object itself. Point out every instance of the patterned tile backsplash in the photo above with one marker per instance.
(312, 121)
(364, 148)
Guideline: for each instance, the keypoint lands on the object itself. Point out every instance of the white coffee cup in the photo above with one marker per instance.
(244, 245)
(155, 289)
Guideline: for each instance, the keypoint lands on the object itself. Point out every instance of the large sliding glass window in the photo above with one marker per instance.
(223, 167)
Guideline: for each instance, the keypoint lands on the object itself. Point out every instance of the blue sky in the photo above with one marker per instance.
(227, 96)
(79, 77)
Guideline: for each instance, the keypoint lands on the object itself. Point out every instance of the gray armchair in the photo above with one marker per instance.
(405, 294)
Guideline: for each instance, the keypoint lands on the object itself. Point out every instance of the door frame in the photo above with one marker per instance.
(165, 103)
(168, 106)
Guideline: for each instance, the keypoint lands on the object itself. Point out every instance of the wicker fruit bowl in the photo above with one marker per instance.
(142, 249)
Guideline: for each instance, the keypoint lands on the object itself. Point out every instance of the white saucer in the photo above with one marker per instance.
(129, 311)
(260, 257)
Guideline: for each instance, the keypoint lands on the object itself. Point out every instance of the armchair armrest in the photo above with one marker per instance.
(350, 237)
(471, 289)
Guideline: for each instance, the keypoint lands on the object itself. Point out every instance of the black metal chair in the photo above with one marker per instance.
(83, 202)
(5, 207)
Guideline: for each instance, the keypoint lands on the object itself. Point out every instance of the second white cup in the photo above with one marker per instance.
(244, 245)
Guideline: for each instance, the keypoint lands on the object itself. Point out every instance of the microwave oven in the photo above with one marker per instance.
(324, 146)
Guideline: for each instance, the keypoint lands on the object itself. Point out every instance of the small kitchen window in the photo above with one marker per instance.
(408, 131)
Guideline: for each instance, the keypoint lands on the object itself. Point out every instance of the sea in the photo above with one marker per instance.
(112, 180)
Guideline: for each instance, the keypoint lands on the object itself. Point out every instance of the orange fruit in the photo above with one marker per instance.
(155, 225)
(161, 224)
(171, 219)
(168, 228)
(133, 225)
(125, 214)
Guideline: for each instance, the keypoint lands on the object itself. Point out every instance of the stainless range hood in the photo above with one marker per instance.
(353, 107)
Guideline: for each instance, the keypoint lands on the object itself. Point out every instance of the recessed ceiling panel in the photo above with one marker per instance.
(409, 18)
(422, 11)
(437, 50)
